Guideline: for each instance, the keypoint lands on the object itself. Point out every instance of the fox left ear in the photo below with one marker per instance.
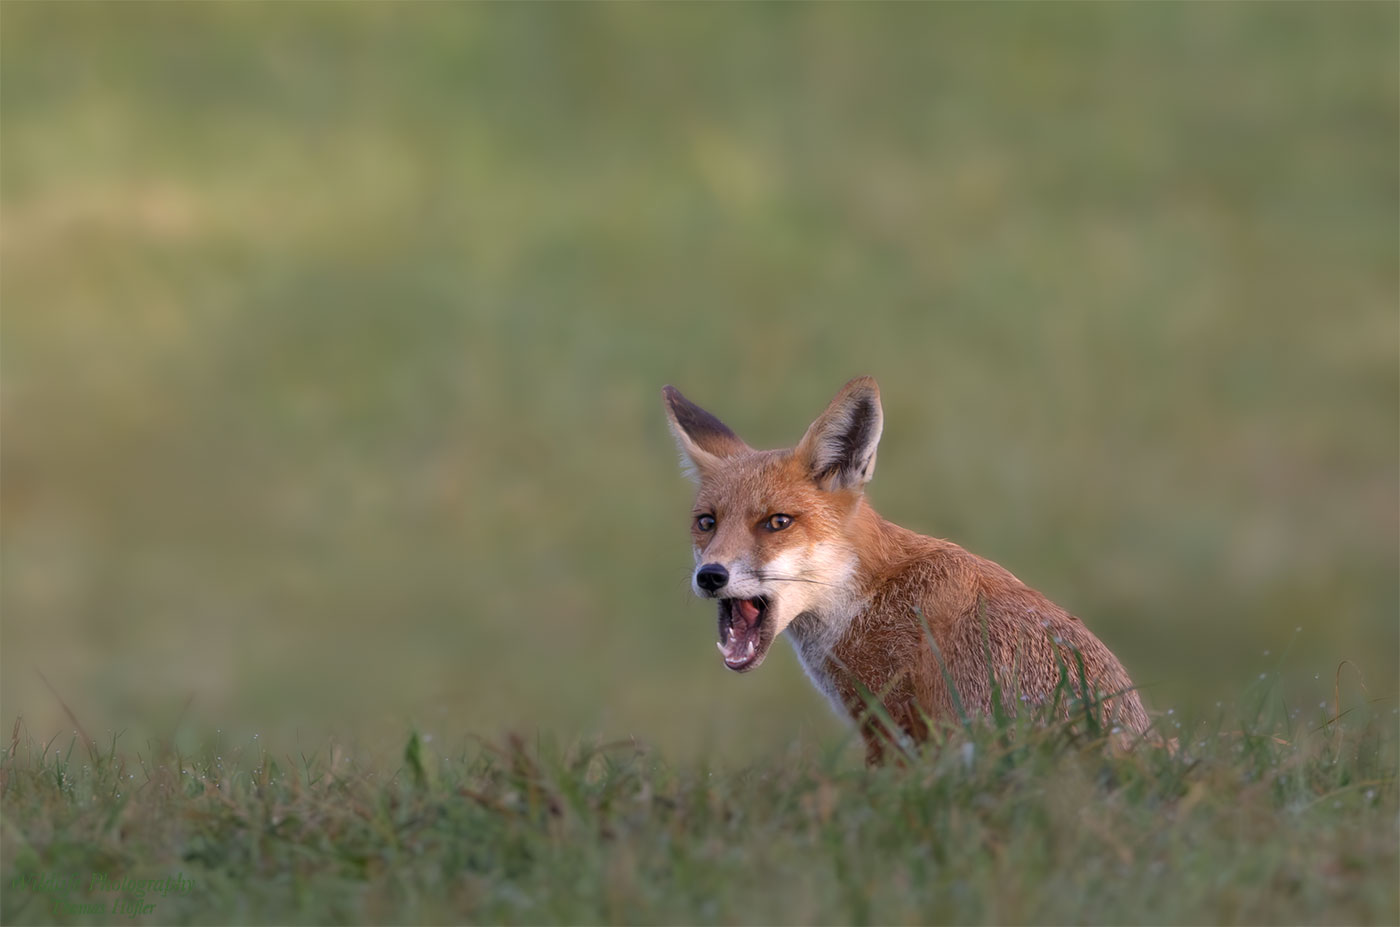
(839, 447)
(703, 440)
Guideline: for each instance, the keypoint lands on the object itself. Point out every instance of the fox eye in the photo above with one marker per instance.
(777, 522)
(705, 523)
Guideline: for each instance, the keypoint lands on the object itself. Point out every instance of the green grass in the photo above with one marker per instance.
(1289, 816)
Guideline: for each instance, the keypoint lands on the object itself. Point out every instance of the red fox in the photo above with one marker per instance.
(786, 541)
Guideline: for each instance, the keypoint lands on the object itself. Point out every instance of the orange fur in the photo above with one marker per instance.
(860, 597)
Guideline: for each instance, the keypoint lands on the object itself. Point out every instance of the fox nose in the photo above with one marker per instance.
(711, 577)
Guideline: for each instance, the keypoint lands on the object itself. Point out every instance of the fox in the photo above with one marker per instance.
(902, 633)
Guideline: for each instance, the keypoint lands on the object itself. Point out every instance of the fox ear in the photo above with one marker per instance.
(703, 439)
(839, 447)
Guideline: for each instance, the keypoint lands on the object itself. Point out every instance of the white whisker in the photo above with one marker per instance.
(766, 577)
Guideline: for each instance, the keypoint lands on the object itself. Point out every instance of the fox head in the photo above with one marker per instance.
(770, 528)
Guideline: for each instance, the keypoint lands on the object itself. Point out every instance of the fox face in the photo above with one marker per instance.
(770, 529)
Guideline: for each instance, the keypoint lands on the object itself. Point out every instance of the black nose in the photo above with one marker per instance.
(711, 577)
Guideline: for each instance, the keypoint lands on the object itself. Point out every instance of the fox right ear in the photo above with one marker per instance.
(703, 439)
(839, 447)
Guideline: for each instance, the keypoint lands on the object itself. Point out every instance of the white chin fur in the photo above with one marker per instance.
(824, 571)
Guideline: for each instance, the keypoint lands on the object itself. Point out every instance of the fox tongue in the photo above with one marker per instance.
(741, 634)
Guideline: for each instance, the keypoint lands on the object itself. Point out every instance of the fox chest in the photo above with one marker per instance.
(846, 666)
(814, 654)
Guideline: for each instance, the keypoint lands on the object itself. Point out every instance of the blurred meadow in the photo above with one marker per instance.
(332, 339)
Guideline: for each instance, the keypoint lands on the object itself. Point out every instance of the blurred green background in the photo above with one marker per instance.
(333, 338)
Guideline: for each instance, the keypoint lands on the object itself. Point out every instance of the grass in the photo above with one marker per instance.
(1288, 816)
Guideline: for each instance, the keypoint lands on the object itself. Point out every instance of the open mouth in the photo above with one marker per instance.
(744, 632)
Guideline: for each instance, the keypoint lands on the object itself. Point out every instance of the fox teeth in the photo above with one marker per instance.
(720, 647)
(748, 651)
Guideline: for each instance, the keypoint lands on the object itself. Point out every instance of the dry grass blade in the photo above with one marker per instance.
(88, 742)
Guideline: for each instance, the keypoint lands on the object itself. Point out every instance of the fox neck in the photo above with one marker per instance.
(876, 545)
(873, 543)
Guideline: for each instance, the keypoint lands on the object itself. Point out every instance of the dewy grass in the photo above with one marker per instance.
(1269, 819)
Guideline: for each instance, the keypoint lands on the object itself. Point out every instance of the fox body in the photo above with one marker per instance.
(786, 542)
